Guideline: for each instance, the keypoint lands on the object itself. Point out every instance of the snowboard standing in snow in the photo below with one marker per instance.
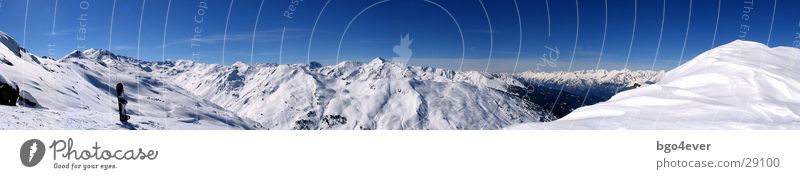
(8, 94)
(123, 113)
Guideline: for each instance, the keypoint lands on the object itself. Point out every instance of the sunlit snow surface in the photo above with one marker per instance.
(20, 118)
(740, 85)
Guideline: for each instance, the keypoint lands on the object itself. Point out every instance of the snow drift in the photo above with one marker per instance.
(740, 85)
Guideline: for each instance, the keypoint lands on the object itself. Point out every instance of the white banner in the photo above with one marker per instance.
(399, 154)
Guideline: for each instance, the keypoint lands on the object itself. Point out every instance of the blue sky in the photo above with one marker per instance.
(53, 30)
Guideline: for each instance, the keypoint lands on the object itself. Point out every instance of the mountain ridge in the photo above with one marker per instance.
(380, 94)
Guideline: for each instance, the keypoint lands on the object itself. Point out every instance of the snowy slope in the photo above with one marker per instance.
(19, 118)
(740, 85)
(84, 81)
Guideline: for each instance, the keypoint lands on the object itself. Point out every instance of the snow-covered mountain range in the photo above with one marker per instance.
(740, 85)
(350, 95)
(563, 92)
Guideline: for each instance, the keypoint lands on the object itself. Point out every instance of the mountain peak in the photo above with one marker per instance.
(714, 55)
(314, 65)
(74, 54)
(92, 53)
(378, 60)
(10, 43)
(240, 65)
(743, 42)
(97, 51)
(5, 36)
(100, 54)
